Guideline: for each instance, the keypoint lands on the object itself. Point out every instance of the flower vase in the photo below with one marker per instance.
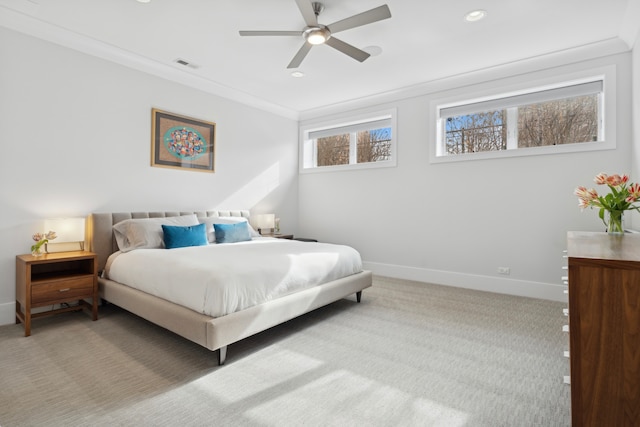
(615, 222)
(37, 252)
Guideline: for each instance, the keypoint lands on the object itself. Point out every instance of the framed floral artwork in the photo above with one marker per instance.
(182, 142)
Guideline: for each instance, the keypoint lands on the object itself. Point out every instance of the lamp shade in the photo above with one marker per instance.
(265, 221)
(67, 229)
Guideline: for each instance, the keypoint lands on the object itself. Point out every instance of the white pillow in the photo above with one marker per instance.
(147, 232)
(210, 220)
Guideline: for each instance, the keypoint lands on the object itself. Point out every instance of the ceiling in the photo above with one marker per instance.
(423, 41)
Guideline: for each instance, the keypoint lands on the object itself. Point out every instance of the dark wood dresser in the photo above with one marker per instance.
(604, 328)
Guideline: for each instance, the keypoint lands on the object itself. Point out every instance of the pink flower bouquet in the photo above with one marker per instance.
(622, 196)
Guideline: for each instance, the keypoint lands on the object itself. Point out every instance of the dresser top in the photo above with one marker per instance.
(585, 244)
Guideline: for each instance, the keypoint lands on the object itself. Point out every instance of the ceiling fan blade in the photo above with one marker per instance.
(270, 33)
(308, 13)
(377, 14)
(347, 49)
(297, 60)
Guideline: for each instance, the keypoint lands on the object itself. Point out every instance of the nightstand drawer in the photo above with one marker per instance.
(61, 290)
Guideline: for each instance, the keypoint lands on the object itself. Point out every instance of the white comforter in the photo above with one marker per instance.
(219, 279)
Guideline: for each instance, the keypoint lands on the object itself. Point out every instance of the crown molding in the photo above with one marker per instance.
(16, 20)
(612, 46)
(18, 17)
(630, 26)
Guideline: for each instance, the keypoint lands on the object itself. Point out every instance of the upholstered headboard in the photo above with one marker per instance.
(100, 238)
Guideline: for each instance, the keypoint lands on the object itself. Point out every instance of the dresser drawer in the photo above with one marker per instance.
(61, 290)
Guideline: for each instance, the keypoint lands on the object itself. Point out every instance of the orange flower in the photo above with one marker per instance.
(622, 196)
(614, 180)
(581, 192)
(583, 203)
(587, 196)
(600, 179)
(42, 239)
(634, 193)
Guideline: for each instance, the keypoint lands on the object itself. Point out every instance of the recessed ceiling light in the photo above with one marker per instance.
(297, 74)
(475, 15)
(144, 1)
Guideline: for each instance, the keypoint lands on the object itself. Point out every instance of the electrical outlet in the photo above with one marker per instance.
(504, 270)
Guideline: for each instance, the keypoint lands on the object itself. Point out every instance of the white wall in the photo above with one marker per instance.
(456, 223)
(76, 139)
(635, 112)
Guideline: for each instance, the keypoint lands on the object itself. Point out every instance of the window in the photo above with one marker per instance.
(362, 142)
(555, 118)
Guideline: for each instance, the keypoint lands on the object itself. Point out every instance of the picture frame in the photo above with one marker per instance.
(181, 142)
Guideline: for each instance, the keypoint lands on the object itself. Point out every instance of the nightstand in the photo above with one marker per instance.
(279, 236)
(57, 278)
(283, 236)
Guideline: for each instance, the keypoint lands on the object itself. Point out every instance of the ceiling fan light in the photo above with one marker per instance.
(317, 35)
(475, 15)
(316, 39)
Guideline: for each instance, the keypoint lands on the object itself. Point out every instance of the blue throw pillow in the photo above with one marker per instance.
(179, 237)
(232, 233)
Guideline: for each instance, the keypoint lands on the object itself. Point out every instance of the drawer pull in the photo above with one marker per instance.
(64, 290)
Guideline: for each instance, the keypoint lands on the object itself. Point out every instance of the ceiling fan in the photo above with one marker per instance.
(315, 33)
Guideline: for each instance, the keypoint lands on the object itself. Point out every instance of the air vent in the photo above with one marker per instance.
(186, 63)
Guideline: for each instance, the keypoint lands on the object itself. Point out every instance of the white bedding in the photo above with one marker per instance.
(219, 279)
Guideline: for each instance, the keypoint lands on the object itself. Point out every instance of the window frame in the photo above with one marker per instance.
(354, 123)
(473, 95)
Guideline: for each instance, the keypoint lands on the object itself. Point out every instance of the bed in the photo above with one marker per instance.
(213, 327)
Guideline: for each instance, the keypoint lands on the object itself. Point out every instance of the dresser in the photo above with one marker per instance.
(604, 328)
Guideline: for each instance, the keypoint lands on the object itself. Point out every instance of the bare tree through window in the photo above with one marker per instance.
(370, 146)
(474, 133)
(564, 121)
(333, 150)
(567, 121)
(374, 145)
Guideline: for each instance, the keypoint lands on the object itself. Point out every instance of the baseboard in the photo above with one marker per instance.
(500, 285)
(8, 313)
(524, 288)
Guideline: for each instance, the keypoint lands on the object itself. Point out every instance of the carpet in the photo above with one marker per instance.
(410, 354)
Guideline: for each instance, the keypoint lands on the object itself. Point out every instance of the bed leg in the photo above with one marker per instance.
(222, 355)
(358, 296)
